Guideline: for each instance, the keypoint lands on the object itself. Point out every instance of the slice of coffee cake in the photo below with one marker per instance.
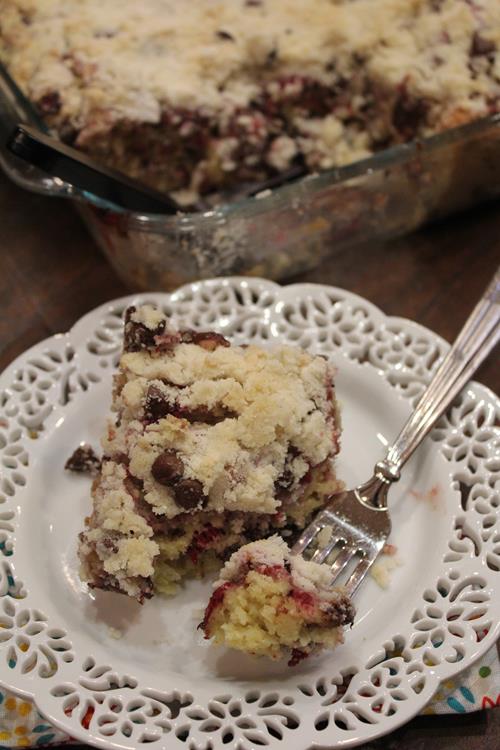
(213, 446)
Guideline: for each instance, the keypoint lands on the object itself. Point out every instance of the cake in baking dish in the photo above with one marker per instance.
(268, 602)
(212, 446)
(207, 96)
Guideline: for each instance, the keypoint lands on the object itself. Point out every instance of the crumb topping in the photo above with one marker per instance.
(91, 63)
(307, 576)
(116, 511)
(265, 552)
(148, 315)
(120, 535)
(133, 556)
(231, 415)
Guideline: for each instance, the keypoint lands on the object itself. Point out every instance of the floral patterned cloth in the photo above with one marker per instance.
(478, 687)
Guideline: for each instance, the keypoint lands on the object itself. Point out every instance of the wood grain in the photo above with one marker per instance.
(51, 273)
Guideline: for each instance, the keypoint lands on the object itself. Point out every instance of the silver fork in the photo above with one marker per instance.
(358, 519)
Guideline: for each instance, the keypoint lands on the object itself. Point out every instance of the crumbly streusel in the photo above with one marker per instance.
(212, 445)
(205, 94)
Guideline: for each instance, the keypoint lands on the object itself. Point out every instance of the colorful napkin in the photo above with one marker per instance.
(472, 690)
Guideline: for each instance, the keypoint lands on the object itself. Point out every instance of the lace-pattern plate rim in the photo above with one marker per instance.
(89, 690)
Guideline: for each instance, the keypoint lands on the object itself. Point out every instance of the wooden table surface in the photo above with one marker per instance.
(51, 273)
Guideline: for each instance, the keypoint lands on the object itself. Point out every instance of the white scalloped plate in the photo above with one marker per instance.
(158, 682)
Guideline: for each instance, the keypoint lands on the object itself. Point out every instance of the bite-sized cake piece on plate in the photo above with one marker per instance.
(268, 602)
(212, 446)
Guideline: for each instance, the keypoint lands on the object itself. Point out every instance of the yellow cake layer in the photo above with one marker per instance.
(262, 619)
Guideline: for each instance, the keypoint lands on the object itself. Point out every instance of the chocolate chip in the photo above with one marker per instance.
(408, 115)
(225, 35)
(481, 46)
(208, 340)
(203, 414)
(167, 468)
(156, 405)
(134, 487)
(189, 494)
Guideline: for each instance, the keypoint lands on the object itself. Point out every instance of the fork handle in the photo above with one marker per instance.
(477, 338)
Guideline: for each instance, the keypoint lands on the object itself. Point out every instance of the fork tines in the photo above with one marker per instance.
(344, 545)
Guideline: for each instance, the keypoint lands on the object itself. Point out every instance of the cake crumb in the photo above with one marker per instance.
(324, 536)
(115, 633)
(83, 461)
(382, 569)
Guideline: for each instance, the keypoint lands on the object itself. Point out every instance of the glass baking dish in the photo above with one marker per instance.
(290, 229)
